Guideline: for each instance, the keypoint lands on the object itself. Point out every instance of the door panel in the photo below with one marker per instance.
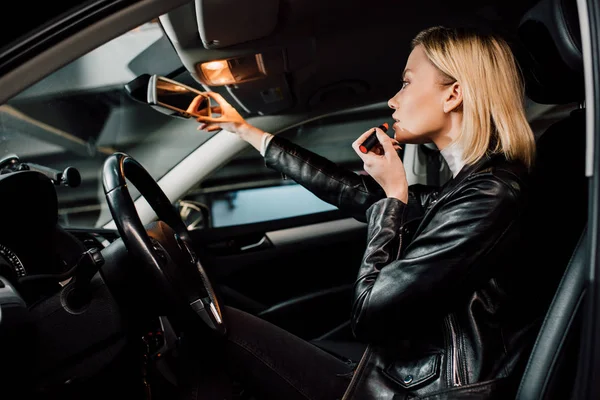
(297, 273)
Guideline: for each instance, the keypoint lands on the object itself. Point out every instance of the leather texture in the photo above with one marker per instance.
(551, 371)
(547, 376)
(434, 297)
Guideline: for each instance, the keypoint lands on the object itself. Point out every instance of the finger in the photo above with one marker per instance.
(363, 137)
(209, 119)
(355, 147)
(195, 103)
(367, 134)
(218, 98)
(200, 113)
(213, 128)
(397, 144)
(201, 127)
(216, 110)
(370, 156)
(385, 141)
(377, 149)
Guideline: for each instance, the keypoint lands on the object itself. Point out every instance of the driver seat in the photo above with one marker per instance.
(551, 61)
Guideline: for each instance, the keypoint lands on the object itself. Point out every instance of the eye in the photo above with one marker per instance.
(404, 83)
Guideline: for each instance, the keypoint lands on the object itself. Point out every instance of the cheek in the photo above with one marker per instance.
(421, 113)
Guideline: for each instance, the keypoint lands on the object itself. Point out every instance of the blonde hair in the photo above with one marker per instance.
(493, 94)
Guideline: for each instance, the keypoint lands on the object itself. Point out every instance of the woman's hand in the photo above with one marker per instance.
(229, 119)
(384, 164)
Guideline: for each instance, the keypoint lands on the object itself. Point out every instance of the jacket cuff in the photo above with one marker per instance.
(273, 150)
(389, 211)
(384, 233)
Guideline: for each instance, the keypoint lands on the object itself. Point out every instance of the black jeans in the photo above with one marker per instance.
(271, 363)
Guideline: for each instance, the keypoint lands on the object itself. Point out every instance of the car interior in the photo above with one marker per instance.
(102, 300)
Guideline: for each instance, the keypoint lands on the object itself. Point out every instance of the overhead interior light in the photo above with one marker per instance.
(217, 72)
(232, 70)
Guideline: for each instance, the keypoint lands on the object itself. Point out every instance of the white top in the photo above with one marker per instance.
(265, 142)
(453, 154)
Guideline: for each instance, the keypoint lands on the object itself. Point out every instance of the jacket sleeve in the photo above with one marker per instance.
(345, 189)
(443, 263)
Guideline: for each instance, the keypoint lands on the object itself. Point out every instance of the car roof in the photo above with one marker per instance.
(337, 52)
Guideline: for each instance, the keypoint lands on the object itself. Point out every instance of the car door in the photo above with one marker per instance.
(588, 361)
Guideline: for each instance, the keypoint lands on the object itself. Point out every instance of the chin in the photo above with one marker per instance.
(404, 136)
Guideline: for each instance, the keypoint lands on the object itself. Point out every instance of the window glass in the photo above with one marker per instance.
(81, 113)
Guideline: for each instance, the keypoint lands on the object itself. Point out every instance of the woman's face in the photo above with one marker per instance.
(419, 105)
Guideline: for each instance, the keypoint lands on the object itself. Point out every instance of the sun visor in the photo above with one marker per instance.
(266, 96)
(252, 20)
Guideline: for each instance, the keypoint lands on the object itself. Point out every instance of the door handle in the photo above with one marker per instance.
(263, 242)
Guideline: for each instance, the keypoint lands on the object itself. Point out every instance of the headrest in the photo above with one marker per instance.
(550, 52)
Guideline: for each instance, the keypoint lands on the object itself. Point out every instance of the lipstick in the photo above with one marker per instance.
(372, 139)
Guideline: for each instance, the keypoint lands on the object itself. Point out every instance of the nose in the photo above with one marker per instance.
(391, 103)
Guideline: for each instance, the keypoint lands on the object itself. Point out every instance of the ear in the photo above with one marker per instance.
(453, 98)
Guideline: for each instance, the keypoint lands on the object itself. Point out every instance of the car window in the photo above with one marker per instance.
(246, 191)
(81, 113)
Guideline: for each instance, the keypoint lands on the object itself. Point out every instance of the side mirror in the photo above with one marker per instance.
(176, 99)
(193, 214)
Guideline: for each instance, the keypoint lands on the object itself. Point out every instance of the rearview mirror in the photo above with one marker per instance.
(137, 89)
(176, 99)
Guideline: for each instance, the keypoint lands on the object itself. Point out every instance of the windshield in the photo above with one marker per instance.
(81, 113)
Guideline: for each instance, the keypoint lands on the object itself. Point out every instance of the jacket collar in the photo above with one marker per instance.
(486, 161)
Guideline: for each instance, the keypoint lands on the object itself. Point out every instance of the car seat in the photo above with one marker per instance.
(551, 60)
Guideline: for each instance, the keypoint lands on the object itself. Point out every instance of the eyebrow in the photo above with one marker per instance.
(405, 72)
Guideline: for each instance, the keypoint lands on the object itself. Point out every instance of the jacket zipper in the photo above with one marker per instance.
(357, 372)
(402, 231)
(455, 364)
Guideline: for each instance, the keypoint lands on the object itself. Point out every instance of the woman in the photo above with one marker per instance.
(436, 296)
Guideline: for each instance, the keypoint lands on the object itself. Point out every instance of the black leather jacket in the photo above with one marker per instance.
(437, 296)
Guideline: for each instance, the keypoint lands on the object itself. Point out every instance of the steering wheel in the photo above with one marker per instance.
(163, 247)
